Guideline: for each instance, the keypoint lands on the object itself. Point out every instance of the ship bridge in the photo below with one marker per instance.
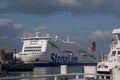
(116, 32)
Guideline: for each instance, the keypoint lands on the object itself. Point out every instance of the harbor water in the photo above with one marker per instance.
(45, 71)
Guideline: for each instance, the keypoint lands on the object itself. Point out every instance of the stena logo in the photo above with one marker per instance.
(63, 59)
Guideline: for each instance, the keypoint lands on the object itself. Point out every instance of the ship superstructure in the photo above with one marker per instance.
(113, 59)
(44, 50)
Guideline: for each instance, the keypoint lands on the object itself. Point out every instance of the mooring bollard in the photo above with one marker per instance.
(90, 72)
(63, 69)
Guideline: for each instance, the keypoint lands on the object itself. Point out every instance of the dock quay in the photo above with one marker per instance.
(88, 74)
(8, 63)
(16, 66)
(5, 67)
(20, 67)
(76, 76)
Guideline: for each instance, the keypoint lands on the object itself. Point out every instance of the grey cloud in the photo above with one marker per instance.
(99, 34)
(18, 26)
(8, 32)
(52, 6)
(4, 22)
(8, 27)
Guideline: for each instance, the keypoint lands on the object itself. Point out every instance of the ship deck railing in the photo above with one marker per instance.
(69, 76)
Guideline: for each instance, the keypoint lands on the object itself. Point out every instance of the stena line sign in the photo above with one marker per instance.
(63, 59)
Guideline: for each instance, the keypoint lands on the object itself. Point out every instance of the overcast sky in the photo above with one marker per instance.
(83, 20)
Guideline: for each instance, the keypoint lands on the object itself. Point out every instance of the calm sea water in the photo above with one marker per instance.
(46, 70)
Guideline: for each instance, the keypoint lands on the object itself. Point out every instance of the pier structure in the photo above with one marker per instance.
(116, 73)
(63, 70)
(76, 76)
(3, 72)
(88, 74)
(90, 70)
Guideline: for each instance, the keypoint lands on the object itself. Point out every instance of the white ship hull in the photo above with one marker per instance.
(43, 50)
(34, 58)
(107, 66)
(113, 60)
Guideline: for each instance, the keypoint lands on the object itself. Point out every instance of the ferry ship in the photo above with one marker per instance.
(43, 50)
(113, 60)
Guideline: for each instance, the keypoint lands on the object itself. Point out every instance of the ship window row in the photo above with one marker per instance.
(31, 50)
(32, 47)
(118, 52)
(39, 38)
(118, 37)
(34, 39)
(114, 53)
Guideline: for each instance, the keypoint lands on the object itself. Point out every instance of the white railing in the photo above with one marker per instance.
(70, 76)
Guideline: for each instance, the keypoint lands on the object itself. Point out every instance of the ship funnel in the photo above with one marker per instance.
(37, 34)
(68, 39)
(56, 38)
(48, 35)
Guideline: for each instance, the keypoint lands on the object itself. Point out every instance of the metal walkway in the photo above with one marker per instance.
(70, 76)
